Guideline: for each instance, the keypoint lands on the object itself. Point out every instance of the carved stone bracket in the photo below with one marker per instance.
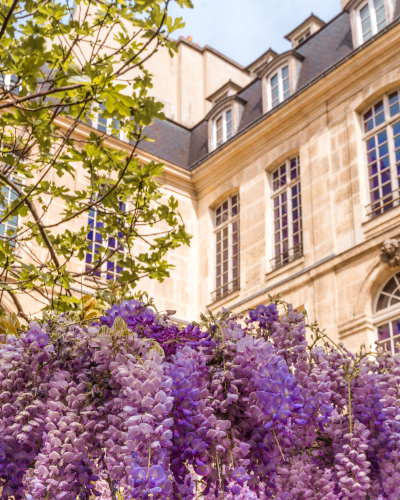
(390, 252)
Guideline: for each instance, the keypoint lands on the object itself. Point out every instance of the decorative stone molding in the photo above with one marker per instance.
(390, 252)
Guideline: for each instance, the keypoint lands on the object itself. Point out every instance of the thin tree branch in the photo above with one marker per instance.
(7, 18)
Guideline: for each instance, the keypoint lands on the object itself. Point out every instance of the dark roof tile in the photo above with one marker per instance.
(171, 142)
(325, 49)
(198, 142)
(253, 108)
(322, 51)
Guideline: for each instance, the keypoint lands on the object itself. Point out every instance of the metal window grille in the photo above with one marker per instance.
(287, 210)
(227, 247)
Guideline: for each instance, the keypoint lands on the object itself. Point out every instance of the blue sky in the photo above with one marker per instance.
(244, 29)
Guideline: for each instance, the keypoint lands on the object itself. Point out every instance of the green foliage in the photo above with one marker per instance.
(60, 66)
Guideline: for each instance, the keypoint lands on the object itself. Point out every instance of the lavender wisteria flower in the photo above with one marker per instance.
(236, 407)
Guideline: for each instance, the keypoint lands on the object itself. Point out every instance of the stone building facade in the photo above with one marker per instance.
(287, 174)
(293, 164)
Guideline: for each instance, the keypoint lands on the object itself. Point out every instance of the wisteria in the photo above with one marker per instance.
(133, 405)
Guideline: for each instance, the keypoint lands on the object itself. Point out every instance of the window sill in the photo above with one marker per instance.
(224, 300)
(296, 263)
(381, 222)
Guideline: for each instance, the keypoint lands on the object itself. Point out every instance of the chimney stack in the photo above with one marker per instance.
(190, 39)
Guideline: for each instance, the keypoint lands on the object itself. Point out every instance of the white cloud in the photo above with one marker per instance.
(243, 30)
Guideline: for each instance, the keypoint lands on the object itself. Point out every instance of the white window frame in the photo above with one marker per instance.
(373, 18)
(8, 82)
(280, 260)
(225, 122)
(6, 222)
(233, 283)
(303, 36)
(108, 127)
(387, 125)
(103, 268)
(387, 315)
(278, 72)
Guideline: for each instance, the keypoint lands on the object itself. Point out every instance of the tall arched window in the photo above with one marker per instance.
(387, 315)
(381, 129)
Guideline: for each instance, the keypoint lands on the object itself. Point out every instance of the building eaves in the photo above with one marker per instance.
(294, 96)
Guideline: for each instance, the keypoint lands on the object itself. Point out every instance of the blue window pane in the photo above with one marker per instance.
(373, 169)
(379, 119)
(396, 128)
(384, 163)
(382, 137)
(383, 150)
(395, 109)
(372, 156)
(370, 143)
(386, 189)
(385, 176)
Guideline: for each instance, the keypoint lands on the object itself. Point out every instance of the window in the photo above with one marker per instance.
(381, 128)
(280, 86)
(10, 82)
(286, 199)
(387, 315)
(8, 228)
(223, 128)
(227, 247)
(372, 18)
(303, 37)
(96, 250)
(106, 125)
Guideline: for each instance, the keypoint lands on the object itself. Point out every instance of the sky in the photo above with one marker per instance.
(245, 29)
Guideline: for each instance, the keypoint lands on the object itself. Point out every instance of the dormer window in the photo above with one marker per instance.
(307, 28)
(372, 18)
(224, 119)
(280, 86)
(369, 17)
(223, 128)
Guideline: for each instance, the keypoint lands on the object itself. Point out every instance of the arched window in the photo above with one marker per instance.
(387, 315)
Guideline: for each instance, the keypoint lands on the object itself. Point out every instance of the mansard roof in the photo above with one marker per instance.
(321, 52)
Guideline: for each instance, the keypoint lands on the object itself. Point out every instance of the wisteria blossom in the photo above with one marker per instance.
(134, 406)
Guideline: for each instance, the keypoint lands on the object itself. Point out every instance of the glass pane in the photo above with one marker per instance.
(396, 327)
(384, 332)
(285, 72)
(364, 12)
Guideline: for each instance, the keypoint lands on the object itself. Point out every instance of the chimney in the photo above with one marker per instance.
(344, 3)
(190, 39)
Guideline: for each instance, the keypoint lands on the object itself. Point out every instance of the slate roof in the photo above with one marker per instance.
(185, 148)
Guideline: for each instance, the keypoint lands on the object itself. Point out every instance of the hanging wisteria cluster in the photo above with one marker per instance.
(133, 405)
